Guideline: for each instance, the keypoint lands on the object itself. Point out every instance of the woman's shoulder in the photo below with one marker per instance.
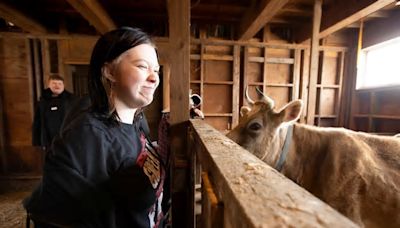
(89, 123)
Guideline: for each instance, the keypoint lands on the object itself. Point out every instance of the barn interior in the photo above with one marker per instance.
(313, 50)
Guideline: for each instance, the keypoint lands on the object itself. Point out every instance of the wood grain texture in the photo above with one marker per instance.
(95, 14)
(252, 193)
(312, 89)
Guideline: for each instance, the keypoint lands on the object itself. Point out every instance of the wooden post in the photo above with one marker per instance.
(38, 71)
(351, 79)
(320, 86)
(179, 19)
(45, 61)
(266, 38)
(212, 211)
(30, 76)
(339, 101)
(312, 85)
(245, 73)
(296, 74)
(3, 155)
(304, 83)
(235, 87)
(179, 36)
(166, 86)
(202, 51)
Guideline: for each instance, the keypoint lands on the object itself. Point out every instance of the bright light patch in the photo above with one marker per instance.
(379, 65)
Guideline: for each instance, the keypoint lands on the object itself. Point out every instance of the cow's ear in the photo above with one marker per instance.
(291, 112)
(244, 110)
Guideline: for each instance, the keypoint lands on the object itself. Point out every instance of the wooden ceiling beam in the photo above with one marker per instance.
(218, 8)
(28, 24)
(94, 13)
(380, 14)
(294, 10)
(255, 18)
(341, 14)
(331, 26)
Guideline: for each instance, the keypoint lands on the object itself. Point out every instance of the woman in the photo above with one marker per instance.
(101, 170)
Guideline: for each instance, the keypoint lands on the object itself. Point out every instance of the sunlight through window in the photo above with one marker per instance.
(379, 65)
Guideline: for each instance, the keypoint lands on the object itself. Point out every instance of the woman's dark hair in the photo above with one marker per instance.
(108, 48)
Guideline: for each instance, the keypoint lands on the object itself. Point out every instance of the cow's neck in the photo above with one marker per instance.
(303, 159)
(274, 150)
(285, 148)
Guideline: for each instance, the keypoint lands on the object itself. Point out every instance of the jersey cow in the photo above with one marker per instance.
(356, 173)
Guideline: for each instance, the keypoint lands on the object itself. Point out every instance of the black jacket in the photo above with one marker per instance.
(49, 116)
(100, 175)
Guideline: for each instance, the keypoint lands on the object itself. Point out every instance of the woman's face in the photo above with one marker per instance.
(137, 76)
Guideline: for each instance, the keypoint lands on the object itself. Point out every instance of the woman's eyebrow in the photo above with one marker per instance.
(138, 60)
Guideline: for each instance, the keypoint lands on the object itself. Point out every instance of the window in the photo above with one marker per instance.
(379, 65)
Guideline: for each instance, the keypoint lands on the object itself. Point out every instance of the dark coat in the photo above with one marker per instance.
(100, 175)
(49, 116)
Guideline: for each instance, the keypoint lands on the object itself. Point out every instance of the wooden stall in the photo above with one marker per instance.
(279, 69)
(239, 190)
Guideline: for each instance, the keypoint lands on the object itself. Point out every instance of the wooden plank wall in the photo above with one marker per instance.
(17, 100)
(215, 69)
(218, 71)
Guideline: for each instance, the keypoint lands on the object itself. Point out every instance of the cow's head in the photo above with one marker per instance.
(261, 128)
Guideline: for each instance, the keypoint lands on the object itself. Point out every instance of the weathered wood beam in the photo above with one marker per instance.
(329, 25)
(255, 18)
(179, 30)
(342, 14)
(179, 37)
(379, 14)
(18, 18)
(294, 10)
(217, 8)
(249, 192)
(94, 13)
(312, 85)
(3, 154)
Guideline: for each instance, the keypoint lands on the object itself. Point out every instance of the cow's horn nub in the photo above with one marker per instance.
(266, 98)
(246, 94)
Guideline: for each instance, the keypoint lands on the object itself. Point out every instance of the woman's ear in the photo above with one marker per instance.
(107, 72)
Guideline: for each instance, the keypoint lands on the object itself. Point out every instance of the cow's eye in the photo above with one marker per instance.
(255, 126)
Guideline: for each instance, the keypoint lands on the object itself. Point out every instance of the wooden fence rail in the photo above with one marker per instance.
(239, 190)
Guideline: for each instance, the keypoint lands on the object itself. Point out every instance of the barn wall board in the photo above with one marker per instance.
(17, 107)
(279, 69)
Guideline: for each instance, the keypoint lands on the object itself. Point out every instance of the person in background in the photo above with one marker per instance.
(102, 170)
(194, 104)
(52, 107)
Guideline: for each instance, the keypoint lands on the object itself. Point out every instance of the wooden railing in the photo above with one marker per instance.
(239, 190)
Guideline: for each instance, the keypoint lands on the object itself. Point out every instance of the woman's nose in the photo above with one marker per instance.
(153, 77)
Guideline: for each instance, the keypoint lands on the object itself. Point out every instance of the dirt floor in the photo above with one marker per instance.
(13, 189)
(12, 214)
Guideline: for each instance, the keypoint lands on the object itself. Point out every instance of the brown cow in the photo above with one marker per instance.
(356, 173)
